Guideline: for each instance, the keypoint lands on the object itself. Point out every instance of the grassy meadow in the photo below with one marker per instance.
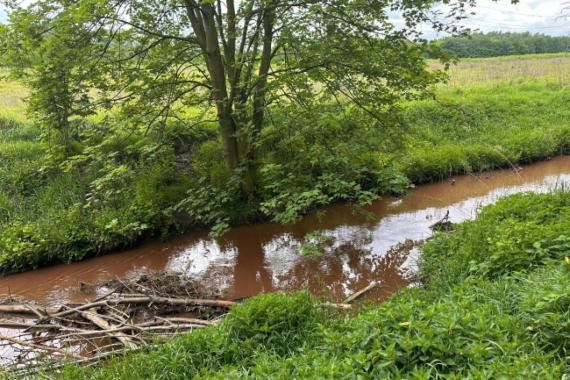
(487, 116)
(483, 71)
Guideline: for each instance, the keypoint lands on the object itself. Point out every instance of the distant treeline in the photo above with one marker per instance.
(496, 44)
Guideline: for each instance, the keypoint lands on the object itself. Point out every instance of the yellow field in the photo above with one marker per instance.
(555, 68)
(12, 96)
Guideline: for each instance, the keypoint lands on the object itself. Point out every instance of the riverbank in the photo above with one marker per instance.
(64, 213)
(494, 304)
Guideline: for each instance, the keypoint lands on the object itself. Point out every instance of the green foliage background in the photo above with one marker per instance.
(496, 44)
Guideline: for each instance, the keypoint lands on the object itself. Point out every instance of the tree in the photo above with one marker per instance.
(495, 44)
(53, 66)
(156, 59)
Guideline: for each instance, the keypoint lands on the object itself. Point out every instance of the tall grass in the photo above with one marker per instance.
(481, 127)
(552, 67)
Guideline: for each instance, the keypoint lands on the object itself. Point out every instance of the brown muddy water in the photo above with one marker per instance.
(264, 257)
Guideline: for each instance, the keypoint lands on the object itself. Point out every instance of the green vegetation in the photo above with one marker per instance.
(495, 44)
(495, 305)
(153, 119)
(112, 153)
(484, 126)
(124, 185)
(52, 213)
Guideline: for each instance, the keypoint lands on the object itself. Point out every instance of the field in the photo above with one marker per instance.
(12, 95)
(554, 68)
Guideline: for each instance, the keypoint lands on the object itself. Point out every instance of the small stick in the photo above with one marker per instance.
(35, 311)
(360, 293)
(190, 320)
(38, 346)
(7, 324)
(340, 306)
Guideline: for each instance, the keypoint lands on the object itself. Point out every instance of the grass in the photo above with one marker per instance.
(495, 305)
(485, 126)
(12, 95)
(45, 215)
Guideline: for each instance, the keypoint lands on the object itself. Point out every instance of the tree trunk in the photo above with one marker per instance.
(228, 135)
(259, 95)
(203, 20)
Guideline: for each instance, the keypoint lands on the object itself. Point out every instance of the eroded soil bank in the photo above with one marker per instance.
(361, 247)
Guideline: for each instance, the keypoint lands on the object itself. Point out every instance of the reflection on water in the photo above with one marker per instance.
(264, 257)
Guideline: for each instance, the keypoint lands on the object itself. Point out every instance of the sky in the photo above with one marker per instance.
(535, 16)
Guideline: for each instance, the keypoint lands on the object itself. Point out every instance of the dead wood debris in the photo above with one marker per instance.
(122, 316)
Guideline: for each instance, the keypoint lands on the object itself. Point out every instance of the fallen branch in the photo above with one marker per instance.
(360, 293)
(22, 309)
(98, 321)
(8, 324)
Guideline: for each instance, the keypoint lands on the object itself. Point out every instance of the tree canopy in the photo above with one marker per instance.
(495, 44)
(157, 63)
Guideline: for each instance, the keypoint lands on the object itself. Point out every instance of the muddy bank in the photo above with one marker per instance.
(362, 248)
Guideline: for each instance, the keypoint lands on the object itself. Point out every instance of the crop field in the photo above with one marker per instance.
(551, 67)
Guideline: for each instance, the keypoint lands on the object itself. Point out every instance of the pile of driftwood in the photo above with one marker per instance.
(123, 316)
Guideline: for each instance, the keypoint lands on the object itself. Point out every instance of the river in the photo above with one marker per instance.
(264, 257)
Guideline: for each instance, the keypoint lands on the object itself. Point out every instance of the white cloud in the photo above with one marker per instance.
(535, 16)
